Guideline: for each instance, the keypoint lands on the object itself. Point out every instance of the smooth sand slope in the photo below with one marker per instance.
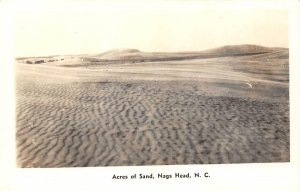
(127, 107)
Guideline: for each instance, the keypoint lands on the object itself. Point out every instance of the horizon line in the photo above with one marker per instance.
(140, 50)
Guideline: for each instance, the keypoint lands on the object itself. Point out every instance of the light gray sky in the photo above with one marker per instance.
(94, 30)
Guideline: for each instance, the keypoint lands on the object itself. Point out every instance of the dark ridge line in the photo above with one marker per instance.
(96, 61)
(130, 50)
(176, 58)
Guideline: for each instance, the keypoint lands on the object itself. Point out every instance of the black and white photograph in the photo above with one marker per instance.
(152, 88)
(170, 92)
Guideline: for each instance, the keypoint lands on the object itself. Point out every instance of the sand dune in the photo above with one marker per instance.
(78, 112)
(119, 54)
(129, 55)
(240, 50)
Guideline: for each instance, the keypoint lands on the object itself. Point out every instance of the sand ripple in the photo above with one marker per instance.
(141, 123)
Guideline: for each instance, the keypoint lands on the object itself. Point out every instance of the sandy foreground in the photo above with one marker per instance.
(76, 112)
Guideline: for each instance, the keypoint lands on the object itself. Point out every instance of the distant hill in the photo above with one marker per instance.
(120, 54)
(231, 50)
(239, 49)
(134, 55)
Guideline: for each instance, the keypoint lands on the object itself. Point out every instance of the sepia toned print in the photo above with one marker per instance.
(126, 106)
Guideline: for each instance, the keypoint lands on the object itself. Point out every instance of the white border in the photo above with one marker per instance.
(269, 176)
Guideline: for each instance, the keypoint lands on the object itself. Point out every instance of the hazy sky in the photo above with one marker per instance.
(48, 32)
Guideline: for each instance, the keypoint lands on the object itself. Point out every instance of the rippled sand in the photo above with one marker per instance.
(199, 111)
